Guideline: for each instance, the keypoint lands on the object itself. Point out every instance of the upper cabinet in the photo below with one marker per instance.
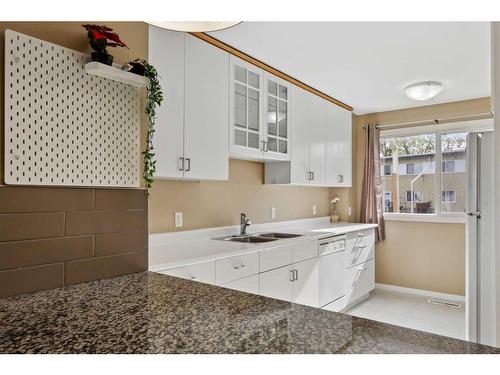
(259, 114)
(320, 144)
(191, 137)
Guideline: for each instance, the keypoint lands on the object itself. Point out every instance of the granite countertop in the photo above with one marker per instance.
(153, 313)
(183, 248)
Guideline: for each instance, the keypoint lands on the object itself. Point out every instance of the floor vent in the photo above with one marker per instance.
(445, 303)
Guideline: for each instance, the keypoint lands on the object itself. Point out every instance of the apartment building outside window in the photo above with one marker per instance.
(415, 185)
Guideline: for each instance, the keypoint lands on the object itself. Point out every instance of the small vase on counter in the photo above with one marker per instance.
(334, 218)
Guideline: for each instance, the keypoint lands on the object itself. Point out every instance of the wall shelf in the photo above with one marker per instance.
(110, 72)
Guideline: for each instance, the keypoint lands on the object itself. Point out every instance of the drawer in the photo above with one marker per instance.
(275, 257)
(202, 272)
(360, 247)
(332, 245)
(337, 305)
(247, 284)
(360, 280)
(234, 268)
(305, 250)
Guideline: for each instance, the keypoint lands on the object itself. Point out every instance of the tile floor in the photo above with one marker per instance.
(412, 311)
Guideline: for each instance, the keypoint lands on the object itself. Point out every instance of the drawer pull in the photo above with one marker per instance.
(292, 275)
(296, 274)
(361, 235)
(361, 269)
(240, 266)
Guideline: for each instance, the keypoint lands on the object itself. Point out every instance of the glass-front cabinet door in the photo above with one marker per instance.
(277, 130)
(246, 110)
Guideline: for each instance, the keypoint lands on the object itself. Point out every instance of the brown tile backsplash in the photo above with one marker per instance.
(31, 225)
(121, 242)
(31, 279)
(42, 199)
(79, 271)
(120, 199)
(51, 237)
(83, 222)
(29, 253)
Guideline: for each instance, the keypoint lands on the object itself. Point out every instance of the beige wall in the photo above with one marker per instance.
(211, 204)
(426, 256)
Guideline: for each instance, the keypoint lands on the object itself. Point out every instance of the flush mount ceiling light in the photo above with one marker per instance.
(422, 91)
(195, 26)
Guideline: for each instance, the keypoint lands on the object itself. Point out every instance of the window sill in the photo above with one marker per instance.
(428, 218)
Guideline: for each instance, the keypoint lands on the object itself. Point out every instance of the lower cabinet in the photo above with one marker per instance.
(247, 284)
(297, 283)
(202, 272)
(360, 280)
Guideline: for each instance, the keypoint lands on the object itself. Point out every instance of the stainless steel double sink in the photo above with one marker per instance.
(258, 237)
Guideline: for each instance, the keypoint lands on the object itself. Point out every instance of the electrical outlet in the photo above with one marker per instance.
(178, 219)
(349, 211)
(314, 210)
(273, 212)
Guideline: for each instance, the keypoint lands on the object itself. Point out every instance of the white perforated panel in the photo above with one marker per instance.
(63, 126)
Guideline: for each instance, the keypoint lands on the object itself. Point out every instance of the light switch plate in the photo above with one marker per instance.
(178, 219)
(273, 212)
(349, 211)
(314, 210)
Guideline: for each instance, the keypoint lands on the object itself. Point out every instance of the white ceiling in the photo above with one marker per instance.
(367, 64)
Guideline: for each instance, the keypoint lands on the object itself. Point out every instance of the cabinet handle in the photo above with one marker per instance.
(292, 275)
(361, 235)
(188, 160)
(361, 269)
(296, 274)
(313, 176)
(310, 176)
(192, 277)
(340, 178)
(240, 266)
(181, 164)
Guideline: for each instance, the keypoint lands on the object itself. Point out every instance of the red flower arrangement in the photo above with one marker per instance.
(101, 37)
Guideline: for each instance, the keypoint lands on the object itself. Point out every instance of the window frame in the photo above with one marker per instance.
(438, 130)
(443, 166)
(443, 192)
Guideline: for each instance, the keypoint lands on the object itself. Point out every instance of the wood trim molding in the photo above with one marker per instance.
(226, 47)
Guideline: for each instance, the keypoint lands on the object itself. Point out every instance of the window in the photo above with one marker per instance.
(448, 196)
(453, 172)
(417, 196)
(387, 201)
(412, 159)
(387, 170)
(448, 166)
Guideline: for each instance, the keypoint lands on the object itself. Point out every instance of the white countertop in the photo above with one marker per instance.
(175, 249)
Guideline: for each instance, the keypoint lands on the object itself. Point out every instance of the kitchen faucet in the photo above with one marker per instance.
(244, 223)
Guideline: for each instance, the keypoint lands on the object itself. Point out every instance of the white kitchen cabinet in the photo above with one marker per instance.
(192, 124)
(338, 133)
(306, 284)
(317, 145)
(206, 111)
(248, 284)
(234, 268)
(166, 53)
(360, 280)
(259, 113)
(277, 283)
(321, 144)
(202, 272)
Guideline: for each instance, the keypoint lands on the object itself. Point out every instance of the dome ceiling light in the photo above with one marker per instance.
(195, 26)
(422, 91)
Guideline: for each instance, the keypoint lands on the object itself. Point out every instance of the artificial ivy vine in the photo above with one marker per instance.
(154, 99)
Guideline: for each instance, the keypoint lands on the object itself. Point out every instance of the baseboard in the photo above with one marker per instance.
(427, 293)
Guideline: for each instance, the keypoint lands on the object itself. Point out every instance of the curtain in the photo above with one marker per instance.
(371, 193)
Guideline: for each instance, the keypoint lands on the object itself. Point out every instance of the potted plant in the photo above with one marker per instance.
(334, 218)
(101, 37)
(154, 99)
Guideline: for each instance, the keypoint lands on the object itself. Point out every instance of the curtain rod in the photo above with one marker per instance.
(435, 121)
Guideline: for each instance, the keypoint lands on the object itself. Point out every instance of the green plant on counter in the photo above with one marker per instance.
(154, 99)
